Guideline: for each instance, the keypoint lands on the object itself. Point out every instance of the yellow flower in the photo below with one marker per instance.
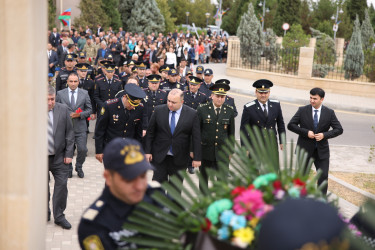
(254, 222)
(244, 234)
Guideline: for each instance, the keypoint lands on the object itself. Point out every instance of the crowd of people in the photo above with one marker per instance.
(170, 113)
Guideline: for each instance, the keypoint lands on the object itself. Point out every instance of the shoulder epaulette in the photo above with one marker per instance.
(229, 106)
(249, 104)
(110, 101)
(99, 78)
(163, 91)
(274, 100)
(63, 68)
(203, 104)
(91, 213)
(202, 93)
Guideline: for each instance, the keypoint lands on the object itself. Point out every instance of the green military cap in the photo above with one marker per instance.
(195, 80)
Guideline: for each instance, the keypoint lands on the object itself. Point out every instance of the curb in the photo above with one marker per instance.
(351, 187)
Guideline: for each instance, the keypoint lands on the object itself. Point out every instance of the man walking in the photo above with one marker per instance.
(312, 123)
(79, 104)
(60, 154)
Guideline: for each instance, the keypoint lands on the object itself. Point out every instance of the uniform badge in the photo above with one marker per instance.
(208, 116)
(115, 118)
(178, 85)
(225, 126)
(93, 242)
(102, 111)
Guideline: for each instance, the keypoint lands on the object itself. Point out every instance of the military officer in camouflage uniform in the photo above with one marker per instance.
(154, 95)
(90, 50)
(172, 82)
(106, 87)
(62, 78)
(217, 125)
(263, 112)
(120, 117)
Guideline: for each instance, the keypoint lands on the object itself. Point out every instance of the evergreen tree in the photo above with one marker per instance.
(179, 9)
(169, 21)
(366, 31)
(91, 14)
(346, 26)
(110, 7)
(232, 20)
(270, 47)
(326, 27)
(51, 14)
(251, 37)
(305, 16)
(295, 38)
(371, 13)
(356, 7)
(287, 12)
(354, 59)
(146, 17)
(125, 8)
(198, 12)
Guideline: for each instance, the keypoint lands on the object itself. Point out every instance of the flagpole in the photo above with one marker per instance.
(61, 10)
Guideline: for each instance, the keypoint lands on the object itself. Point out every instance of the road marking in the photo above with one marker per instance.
(299, 105)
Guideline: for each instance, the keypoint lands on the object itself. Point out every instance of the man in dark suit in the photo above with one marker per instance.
(79, 104)
(53, 59)
(172, 133)
(54, 38)
(263, 112)
(312, 123)
(60, 154)
(103, 52)
(61, 49)
(153, 57)
(100, 29)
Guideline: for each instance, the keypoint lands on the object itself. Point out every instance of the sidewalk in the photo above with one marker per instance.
(82, 192)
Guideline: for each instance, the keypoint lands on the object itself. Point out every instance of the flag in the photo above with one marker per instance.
(225, 11)
(65, 16)
(217, 13)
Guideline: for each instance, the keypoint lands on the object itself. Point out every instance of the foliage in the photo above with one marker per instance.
(345, 27)
(306, 16)
(179, 9)
(92, 13)
(369, 65)
(51, 14)
(295, 38)
(169, 21)
(321, 70)
(356, 7)
(286, 13)
(110, 7)
(146, 17)
(367, 32)
(270, 47)
(251, 37)
(125, 8)
(232, 20)
(372, 149)
(190, 210)
(325, 51)
(354, 59)
(325, 27)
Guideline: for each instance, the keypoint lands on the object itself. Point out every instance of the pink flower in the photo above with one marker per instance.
(279, 194)
(249, 203)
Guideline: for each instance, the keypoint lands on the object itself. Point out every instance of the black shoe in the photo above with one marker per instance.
(49, 217)
(70, 174)
(64, 224)
(191, 170)
(80, 172)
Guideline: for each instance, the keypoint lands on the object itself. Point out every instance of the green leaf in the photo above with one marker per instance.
(163, 200)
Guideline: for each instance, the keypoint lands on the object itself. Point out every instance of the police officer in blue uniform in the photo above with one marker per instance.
(207, 82)
(199, 72)
(172, 82)
(125, 168)
(193, 97)
(87, 84)
(106, 87)
(263, 112)
(154, 95)
(120, 117)
(164, 69)
(82, 59)
(143, 82)
(62, 78)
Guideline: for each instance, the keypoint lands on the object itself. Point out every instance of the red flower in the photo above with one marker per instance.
(277, 185)
(250, 187)
(298, 182)
(79, 110)
(207, 226)
(89, 118)
(303, 191)
(237, 191)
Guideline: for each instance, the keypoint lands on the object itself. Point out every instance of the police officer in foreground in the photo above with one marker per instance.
(172, 82)
(217, 125)
(263, 112)
(125, 169)
(154, 95)
(120, 117)
(62, 77)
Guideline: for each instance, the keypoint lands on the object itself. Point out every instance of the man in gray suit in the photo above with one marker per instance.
(60, 154)
(79, 105)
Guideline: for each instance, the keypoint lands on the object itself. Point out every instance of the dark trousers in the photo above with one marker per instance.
(322, 164)
(203, 169)
(81, 144)
(60, 191)
(166, 168)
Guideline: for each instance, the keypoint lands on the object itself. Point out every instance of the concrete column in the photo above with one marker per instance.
(339, 46)
(23, 124)
(306, 58)
(312, 42)
(279, 40)
(233, 59)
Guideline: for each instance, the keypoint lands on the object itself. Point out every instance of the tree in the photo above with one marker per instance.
(251, 37)
(169, 21)
(91, 14)
(295, 38)
(325, 27)
(354, 59)
(179, 9)
(146, 17)
(232, 20)
(287, 12)
(366, 31)
(125, 8)
(110, 7)
(270, 47)
(51, 14)
(305, 16)
(346, 26)
(356, 7)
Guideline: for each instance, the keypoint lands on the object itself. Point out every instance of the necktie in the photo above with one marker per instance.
(127, 114)
(265, 110)
(217, 112)
(193, 95)
(316, 119)
(109, 81)
(153, 94)
(72, 100)
(51, 142)
(49, 54)
(173, 126)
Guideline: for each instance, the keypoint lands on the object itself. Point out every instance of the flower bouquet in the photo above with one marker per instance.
(229, 213)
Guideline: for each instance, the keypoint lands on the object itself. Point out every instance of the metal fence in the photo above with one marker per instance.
(278, 60)
(331, 66)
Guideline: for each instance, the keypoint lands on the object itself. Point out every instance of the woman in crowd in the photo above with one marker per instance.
(171, 58)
